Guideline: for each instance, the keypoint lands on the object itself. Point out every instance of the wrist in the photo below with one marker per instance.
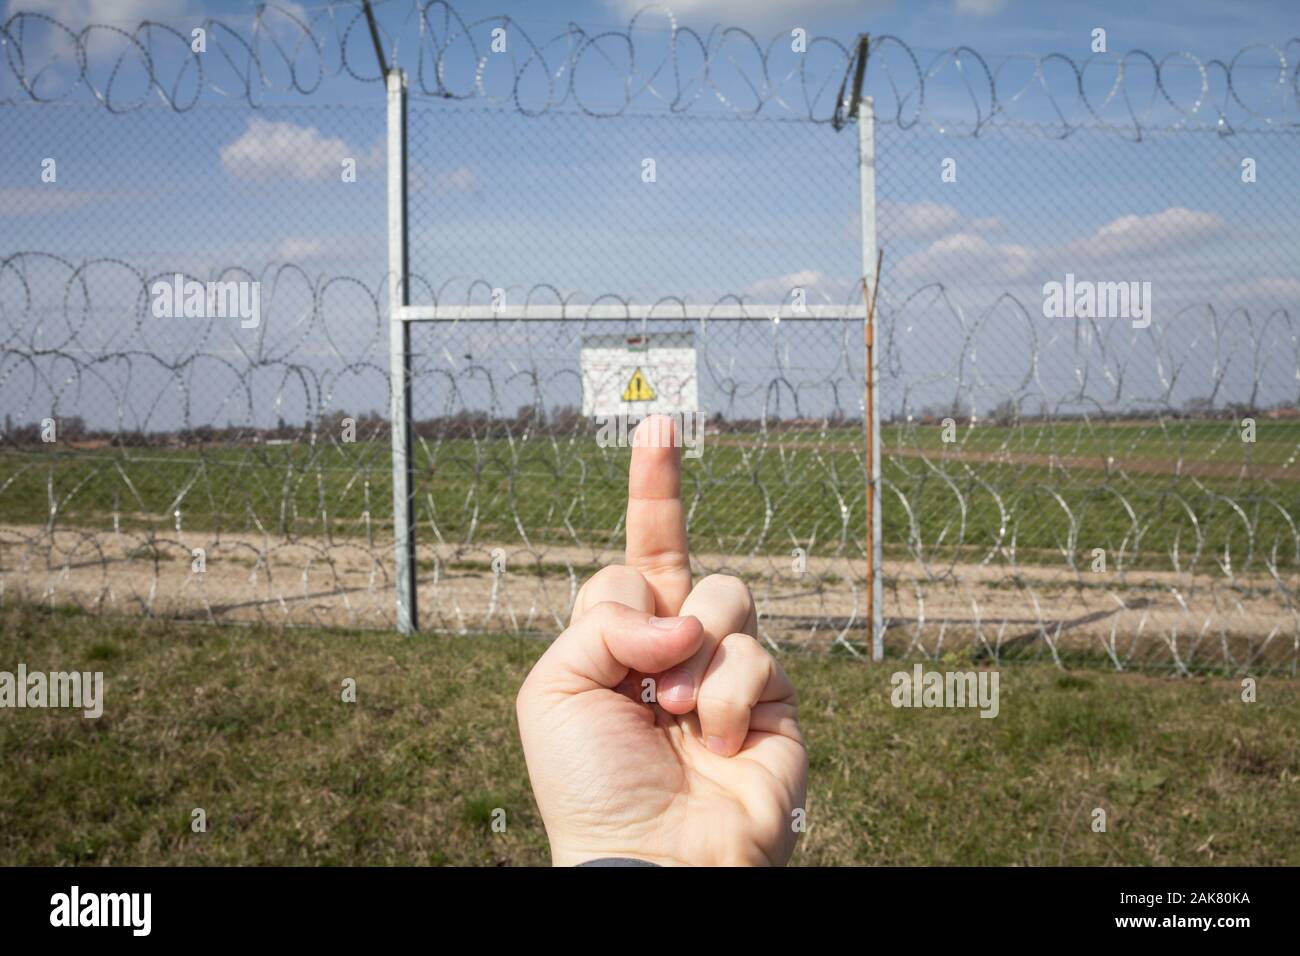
(580, 854)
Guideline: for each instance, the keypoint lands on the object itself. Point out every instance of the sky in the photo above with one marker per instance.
(1204, 27)
(558, 204)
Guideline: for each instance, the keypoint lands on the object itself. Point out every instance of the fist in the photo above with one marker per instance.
(656, 726)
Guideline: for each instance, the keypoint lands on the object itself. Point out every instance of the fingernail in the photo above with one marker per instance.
(667, 623)
(717, 745)
(676, 686)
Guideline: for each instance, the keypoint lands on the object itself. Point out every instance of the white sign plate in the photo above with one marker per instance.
(639, 375)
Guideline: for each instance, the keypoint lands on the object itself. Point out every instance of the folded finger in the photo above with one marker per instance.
(608, 642)
(723, 606)
(740, 676)
(617, 583)
(776, 717)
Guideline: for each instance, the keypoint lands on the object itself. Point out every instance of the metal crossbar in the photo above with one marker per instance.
(403, 314)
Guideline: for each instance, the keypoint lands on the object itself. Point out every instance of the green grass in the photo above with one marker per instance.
(1276, 440)
(742, 499)
(249, 725)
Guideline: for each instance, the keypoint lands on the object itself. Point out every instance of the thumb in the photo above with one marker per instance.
(600, 648)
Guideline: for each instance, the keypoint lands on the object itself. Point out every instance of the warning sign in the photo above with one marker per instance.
(638, 389)
(639, 374)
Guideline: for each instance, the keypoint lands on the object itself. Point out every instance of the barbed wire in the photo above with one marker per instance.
(655, 62)
(301, 534)
(1067, 436)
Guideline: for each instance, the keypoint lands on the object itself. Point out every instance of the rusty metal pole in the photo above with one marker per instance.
(873, 460)
(871, 261)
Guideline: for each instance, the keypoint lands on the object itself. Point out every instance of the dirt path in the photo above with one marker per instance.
(349, 584)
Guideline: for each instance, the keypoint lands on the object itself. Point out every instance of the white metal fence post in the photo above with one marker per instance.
(399, 354)
(867, 195)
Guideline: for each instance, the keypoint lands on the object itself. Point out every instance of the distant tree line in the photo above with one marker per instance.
(533, 420)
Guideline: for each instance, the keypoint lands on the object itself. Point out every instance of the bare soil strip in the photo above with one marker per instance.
(928, 609)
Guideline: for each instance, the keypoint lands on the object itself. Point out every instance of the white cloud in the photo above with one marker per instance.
(423, 178)
(917, 220)
(47, 47)
(120, 13)
(752, 12)
(286, 150)
(128, 14)
(42, 200)
(298, 250)
(820, 288)
(1271, 290)
(1127, 236)
(901, 221)
(296, 10)
(459, 180)
(978, 8)
(967, 254)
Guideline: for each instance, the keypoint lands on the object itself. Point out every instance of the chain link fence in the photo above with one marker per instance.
(517, 500)
(1064, 486)
(1107, 483)
(168, 435)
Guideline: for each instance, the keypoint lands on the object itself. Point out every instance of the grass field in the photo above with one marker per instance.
(749, 492)
(250, 726)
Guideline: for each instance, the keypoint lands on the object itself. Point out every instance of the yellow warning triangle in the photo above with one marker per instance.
(638, 389)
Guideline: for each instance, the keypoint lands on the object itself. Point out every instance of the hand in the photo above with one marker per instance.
(711, 770)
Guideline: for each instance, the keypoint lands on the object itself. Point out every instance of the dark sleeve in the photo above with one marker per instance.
(617, 861)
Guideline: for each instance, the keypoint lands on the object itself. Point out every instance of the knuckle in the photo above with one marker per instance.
(745, 645)
(663, 561)
(726, 585)
(746, 651)
(616, 574)
(714, 707)
(605, 610)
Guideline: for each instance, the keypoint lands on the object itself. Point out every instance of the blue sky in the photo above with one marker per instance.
(748, 208)
(996, 28)
(1204, 27)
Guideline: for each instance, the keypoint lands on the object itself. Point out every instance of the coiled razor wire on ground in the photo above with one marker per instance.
(311, 542)
(200, 436)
